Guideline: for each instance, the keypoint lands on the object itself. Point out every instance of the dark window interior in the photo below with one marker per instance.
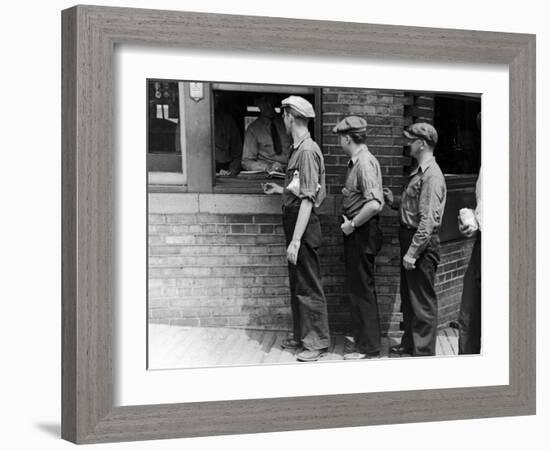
(240, 105)
(163, 127)
(459, 148)
(163, 116)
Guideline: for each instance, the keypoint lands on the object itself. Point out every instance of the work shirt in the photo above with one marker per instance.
(306, 164)
(258, 143)
(227, 140)
(478, 211)
(423, 204)
(363, 183)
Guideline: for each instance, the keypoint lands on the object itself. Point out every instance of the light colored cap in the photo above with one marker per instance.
(300, 105)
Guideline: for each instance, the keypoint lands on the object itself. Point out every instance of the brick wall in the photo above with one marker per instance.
(218, 270)
(230, 270)
(450, 273)
(384, 112)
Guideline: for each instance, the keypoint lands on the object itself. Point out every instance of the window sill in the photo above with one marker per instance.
(236, 185)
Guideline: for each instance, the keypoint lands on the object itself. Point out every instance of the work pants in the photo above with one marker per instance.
(360, 248)
(418, 297)
(307, 298)
(469, 319)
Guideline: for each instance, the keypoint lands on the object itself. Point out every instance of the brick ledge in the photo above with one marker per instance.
(190, 203)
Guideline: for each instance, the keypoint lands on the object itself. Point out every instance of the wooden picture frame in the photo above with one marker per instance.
(89, 36)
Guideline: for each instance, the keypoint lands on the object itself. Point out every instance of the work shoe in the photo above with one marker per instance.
(291, 344)
(311, 355)
(359, 355)
(401, 350)
(349, 345)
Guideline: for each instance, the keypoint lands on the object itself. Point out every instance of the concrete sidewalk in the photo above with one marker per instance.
(172, 347)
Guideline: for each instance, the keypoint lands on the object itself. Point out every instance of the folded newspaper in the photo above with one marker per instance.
(261, 174)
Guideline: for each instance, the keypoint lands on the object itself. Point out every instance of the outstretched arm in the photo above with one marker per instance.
(272, 188)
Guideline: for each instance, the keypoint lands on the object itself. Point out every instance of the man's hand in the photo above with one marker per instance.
(466, 230)
(224, 173)
(347, 228)
(272, 188)
(275, 167)
(409, 263)
(388, 196)
(292, 251)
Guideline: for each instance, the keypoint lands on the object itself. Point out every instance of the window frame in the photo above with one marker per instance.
(252, 185)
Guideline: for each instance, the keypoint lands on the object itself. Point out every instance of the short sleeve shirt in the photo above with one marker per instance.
(363, 183)
(307, 165)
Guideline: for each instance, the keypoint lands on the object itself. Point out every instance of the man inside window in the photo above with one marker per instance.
(266, 143)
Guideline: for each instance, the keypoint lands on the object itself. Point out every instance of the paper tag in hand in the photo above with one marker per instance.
(294, 185)
(467, 218)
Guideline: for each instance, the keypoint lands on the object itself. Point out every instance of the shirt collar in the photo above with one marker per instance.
(424, 166)
(296, 145)
(355, 157)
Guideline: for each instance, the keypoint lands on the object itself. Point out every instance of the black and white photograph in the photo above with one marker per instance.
(295, 224)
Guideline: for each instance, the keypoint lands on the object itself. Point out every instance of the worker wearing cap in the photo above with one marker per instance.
(304, 190)
(469, 318)
(361, 204)
(420, 215)
(266, 142)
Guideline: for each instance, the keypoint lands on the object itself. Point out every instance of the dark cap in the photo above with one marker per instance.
(351, 124)
(300, 105)
(421, 130)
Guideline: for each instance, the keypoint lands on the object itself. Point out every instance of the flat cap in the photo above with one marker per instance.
(351, 124)
(421, 130)
(300, 105)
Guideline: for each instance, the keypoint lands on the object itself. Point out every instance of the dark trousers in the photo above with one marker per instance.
(307, 298)
(418, 297)
(359, 260)
(469, 319)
